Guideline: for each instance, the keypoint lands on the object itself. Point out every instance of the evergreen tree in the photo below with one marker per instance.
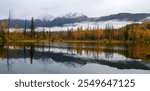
(25, 28)
(32, 28)
(9, 22)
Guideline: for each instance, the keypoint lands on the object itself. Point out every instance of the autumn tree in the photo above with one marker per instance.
(3, 25)
(108, 31)
(2, 31)
(69, 34)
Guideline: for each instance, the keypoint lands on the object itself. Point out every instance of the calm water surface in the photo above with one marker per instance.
(74, 58)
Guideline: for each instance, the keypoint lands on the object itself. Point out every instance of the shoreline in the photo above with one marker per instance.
(79, 41)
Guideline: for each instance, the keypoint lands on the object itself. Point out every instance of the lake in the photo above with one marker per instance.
(74, 58)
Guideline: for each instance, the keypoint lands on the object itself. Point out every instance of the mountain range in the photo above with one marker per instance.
(72, 18)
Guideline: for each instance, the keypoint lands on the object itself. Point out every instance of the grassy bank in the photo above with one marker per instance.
(77, 41)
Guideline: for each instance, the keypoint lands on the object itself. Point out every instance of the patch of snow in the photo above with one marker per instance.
(46, 17)
(71, 15)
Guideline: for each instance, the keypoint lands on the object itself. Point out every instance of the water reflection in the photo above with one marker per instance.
(32, 50)
(74, 55)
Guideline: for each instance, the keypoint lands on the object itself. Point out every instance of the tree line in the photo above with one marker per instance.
(131, 32)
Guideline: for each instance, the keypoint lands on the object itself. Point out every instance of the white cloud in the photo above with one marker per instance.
(29, 8)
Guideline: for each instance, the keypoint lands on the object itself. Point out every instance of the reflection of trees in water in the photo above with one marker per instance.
(87, 51)
(8, 63)
(16, 51)
(29, 51)
(24, 53)
(78, 50)
(32, 50)
(135, 51)
(43, 53)
(126, 52)
(69, 49)
(4, 53)
(108, 52)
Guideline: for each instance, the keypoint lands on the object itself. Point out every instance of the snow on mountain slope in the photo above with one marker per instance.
(47, 17)
(72, 15)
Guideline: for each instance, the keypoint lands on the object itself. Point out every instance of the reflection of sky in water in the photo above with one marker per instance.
(50, 66)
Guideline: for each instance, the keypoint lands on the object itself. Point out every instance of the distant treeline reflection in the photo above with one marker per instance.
(136, 51)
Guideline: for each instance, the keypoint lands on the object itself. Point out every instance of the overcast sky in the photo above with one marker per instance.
(91, 8)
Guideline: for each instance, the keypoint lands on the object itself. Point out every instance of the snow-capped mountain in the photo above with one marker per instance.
(72, 15)
(69, 18)
(47, 17)
(74, 20)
